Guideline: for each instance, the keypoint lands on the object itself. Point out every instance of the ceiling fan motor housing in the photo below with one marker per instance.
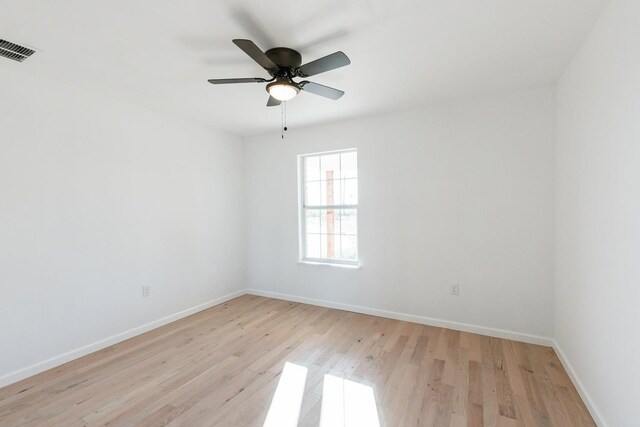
(284, 57)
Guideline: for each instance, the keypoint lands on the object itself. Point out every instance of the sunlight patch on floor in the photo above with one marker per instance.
(344, 403)
(287, 400)
(347, 404)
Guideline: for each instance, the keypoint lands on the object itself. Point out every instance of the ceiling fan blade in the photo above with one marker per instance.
(272, 102)
(329, 62)
(255, 53)
(242, 80)
(322, 90)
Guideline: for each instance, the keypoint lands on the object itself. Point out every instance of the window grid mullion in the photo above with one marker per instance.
(320, 207)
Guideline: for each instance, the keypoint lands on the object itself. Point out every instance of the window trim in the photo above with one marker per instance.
(302, 258)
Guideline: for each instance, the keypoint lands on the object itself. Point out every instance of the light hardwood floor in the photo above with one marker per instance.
(222, 367)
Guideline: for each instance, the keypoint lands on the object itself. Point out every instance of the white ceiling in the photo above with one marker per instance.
(159, 54)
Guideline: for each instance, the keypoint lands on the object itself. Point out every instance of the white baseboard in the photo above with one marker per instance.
(423, 320)
(36, 368)
(586, 398)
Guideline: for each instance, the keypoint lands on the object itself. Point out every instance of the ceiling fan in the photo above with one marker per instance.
(283, 65)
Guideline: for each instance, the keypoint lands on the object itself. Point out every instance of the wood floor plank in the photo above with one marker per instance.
(475, 406)
(222, 366)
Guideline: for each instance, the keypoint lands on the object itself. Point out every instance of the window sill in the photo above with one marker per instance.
(331, 264)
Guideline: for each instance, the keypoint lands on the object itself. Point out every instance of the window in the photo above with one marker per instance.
(328, 184)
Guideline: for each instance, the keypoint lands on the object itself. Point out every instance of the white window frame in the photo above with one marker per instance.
(301, 215)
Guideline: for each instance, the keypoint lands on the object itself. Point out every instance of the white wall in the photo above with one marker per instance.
(598, 214)
(462, 193)
(98, 198)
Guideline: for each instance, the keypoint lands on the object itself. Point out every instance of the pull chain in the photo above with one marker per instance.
(283, 118)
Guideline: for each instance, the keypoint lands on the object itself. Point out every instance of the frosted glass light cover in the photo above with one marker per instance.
(283, 92)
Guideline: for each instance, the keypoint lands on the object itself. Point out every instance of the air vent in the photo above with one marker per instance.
(15, 51)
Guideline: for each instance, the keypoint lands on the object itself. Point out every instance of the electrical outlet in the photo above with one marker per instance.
(146, 291)
(455, 289)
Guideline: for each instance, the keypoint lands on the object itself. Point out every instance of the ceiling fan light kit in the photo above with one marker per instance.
(283, 90)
